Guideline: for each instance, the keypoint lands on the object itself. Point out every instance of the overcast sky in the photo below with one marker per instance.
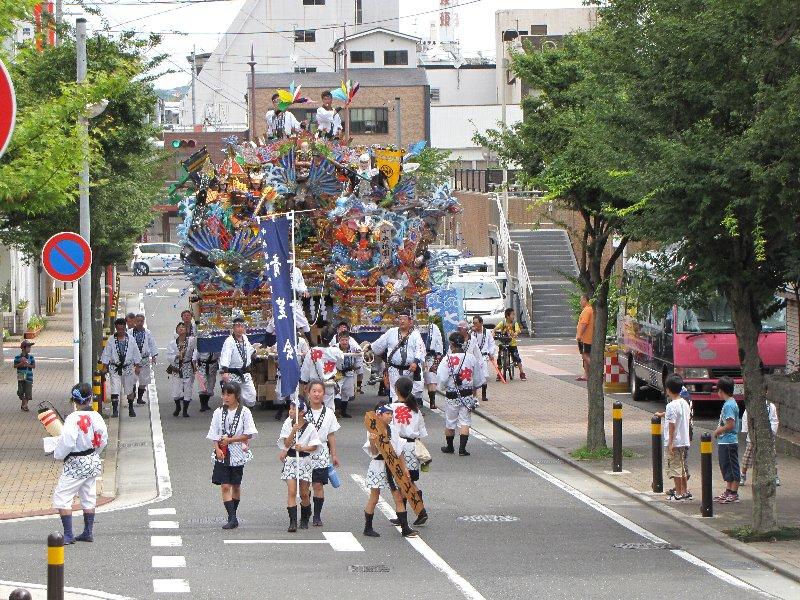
(204, 23)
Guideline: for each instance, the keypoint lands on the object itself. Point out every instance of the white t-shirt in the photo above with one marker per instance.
(677, 412)
(330, 424)
(773, 420)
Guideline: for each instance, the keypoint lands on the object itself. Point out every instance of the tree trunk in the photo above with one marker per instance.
(747, 322)
(596, 423)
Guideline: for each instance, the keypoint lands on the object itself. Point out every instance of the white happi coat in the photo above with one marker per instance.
(351, 366)
(354, 347)
(321, 364)
(183, 382)
(149, 350)
(482, 344)
(231, 358)
(433, 346)
(460, 401)
(121, 369)
(325, 424)
(301, 349)
(224, 426)
(399, 357)
(409, 426)
(83, 430)
(299, 463)
(207, 367)
(328, 121)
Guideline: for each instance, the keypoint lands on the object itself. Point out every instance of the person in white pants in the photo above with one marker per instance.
(352, 363)
(405, 351)
(149, 350)
(122, 360)
(434, 349)
(455, 375)
(181, 351)
(206, 365)
(235, 361)
(83, 437)
(321, 364)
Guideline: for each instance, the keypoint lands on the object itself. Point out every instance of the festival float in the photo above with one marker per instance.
(362, 221)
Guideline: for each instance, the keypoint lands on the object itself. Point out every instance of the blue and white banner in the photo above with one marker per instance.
(277, 248)
(449, 305)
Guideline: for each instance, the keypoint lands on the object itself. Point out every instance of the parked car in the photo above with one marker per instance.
(482, 265)
(482, 296)
(155, 258)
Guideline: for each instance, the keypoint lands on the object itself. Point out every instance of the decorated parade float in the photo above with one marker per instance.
(361, 224)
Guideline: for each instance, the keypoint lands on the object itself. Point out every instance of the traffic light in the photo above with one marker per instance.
(183, 143)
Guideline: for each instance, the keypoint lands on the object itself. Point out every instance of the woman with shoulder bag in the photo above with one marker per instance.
(231, 430)
(410, 426)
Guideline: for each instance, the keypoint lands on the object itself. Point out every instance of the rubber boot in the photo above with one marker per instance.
(140, 395)
(345, 414)
(66, 522)
(88, 528)
(462, 445)
(292, 510)
(448, 449)
(432, 400)
(382, 391)
(186, 408)
(177, 410)
(131, 412)
(368, 530)
(318, 502)
(422, 517)
(114, 409)
(230, 507)
(396, 520)
(204, 398)
(305, 515)
(483, 393)
(405, 530)
(337, 408)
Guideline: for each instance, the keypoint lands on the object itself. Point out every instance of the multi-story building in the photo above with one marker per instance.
(285, 36)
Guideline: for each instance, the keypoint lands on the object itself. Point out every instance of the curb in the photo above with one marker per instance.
(741, 548)
(110, 463)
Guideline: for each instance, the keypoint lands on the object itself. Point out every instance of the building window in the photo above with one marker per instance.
(26, 31)
(305, 35)
(313, 2)
(395, 57)
(359, 12)
(435, 94)
(538, 29)
(362, 56)
(369, 120)
(305, 69)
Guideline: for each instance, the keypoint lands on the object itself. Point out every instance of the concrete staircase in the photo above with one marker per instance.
(548, 255)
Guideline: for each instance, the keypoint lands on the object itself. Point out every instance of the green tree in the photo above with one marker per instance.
(712, 88)
(125, 166)
(569, 144)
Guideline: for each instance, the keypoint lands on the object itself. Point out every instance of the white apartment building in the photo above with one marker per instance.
(285, 36)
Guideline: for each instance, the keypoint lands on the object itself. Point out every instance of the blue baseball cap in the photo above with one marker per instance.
(383, 409)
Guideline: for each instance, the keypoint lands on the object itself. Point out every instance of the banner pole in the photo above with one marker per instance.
(294, 337)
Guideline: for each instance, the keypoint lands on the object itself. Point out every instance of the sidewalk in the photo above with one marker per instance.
(550, 408)
(28, 476)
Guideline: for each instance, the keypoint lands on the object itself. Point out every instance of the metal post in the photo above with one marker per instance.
(194, 96)
(656, 441)
(617, 417)
(252, 94)
(503, 120)
(706, 501)
(76, 335)
(399, 123)
(85, 283)
(97, 392)
(55, 566)
(346, 108)
(58, 18)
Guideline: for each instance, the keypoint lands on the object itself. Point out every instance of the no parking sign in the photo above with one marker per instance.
(8, 108)
(66, 256)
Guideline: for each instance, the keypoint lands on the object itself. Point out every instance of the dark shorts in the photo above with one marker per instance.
(729, 461)
(514, 353)
(226, 475)
(320, 476)
(584, 348)
(25, 390)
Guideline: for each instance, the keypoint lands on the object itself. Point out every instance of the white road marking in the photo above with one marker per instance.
(164, 525)
(245, 542)
(438, 563)
(168, 562)
(628, 524)
(159, 448)
(170, 586)
(166, 541)
(340, 541)
(84, 593)
(157, 512)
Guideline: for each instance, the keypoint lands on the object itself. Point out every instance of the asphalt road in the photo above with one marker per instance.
(506, 522)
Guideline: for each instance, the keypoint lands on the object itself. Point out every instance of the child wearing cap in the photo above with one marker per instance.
(297, 441)
(83, 437)
(379, 477)
(24, 363)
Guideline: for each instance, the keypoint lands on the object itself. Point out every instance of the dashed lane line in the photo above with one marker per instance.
(165, 541)
(168, 562)
(164, 525)
(170, 586)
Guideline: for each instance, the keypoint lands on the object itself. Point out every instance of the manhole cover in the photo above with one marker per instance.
(136, 444)
(369, 568)
(212, 520)
(647, 546)
(488, 518)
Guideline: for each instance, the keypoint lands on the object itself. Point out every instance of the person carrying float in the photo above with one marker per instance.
(405, 351)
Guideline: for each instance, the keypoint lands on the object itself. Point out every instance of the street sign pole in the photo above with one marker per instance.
(85, 284)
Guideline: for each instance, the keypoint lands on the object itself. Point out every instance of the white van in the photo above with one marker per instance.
(482, 296)
(155, 257)
(482, 265)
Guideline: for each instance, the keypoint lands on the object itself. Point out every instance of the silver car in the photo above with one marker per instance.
(155, 257)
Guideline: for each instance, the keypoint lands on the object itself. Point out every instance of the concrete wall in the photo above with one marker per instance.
(469, 85)
(378, 42)
(412, 102)
(785, 393)
(471, 227)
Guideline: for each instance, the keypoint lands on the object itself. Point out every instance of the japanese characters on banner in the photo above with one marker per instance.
(449, 305)
(275, 234)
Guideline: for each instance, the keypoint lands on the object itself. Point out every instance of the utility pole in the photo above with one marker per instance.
(398, 123)
(252, 94)
(85, 283)
(58, 18)
(194, 99)
(347, 108)
(503, 120)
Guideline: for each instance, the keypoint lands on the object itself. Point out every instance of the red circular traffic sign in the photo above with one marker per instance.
(8, 108)
(66, 256)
